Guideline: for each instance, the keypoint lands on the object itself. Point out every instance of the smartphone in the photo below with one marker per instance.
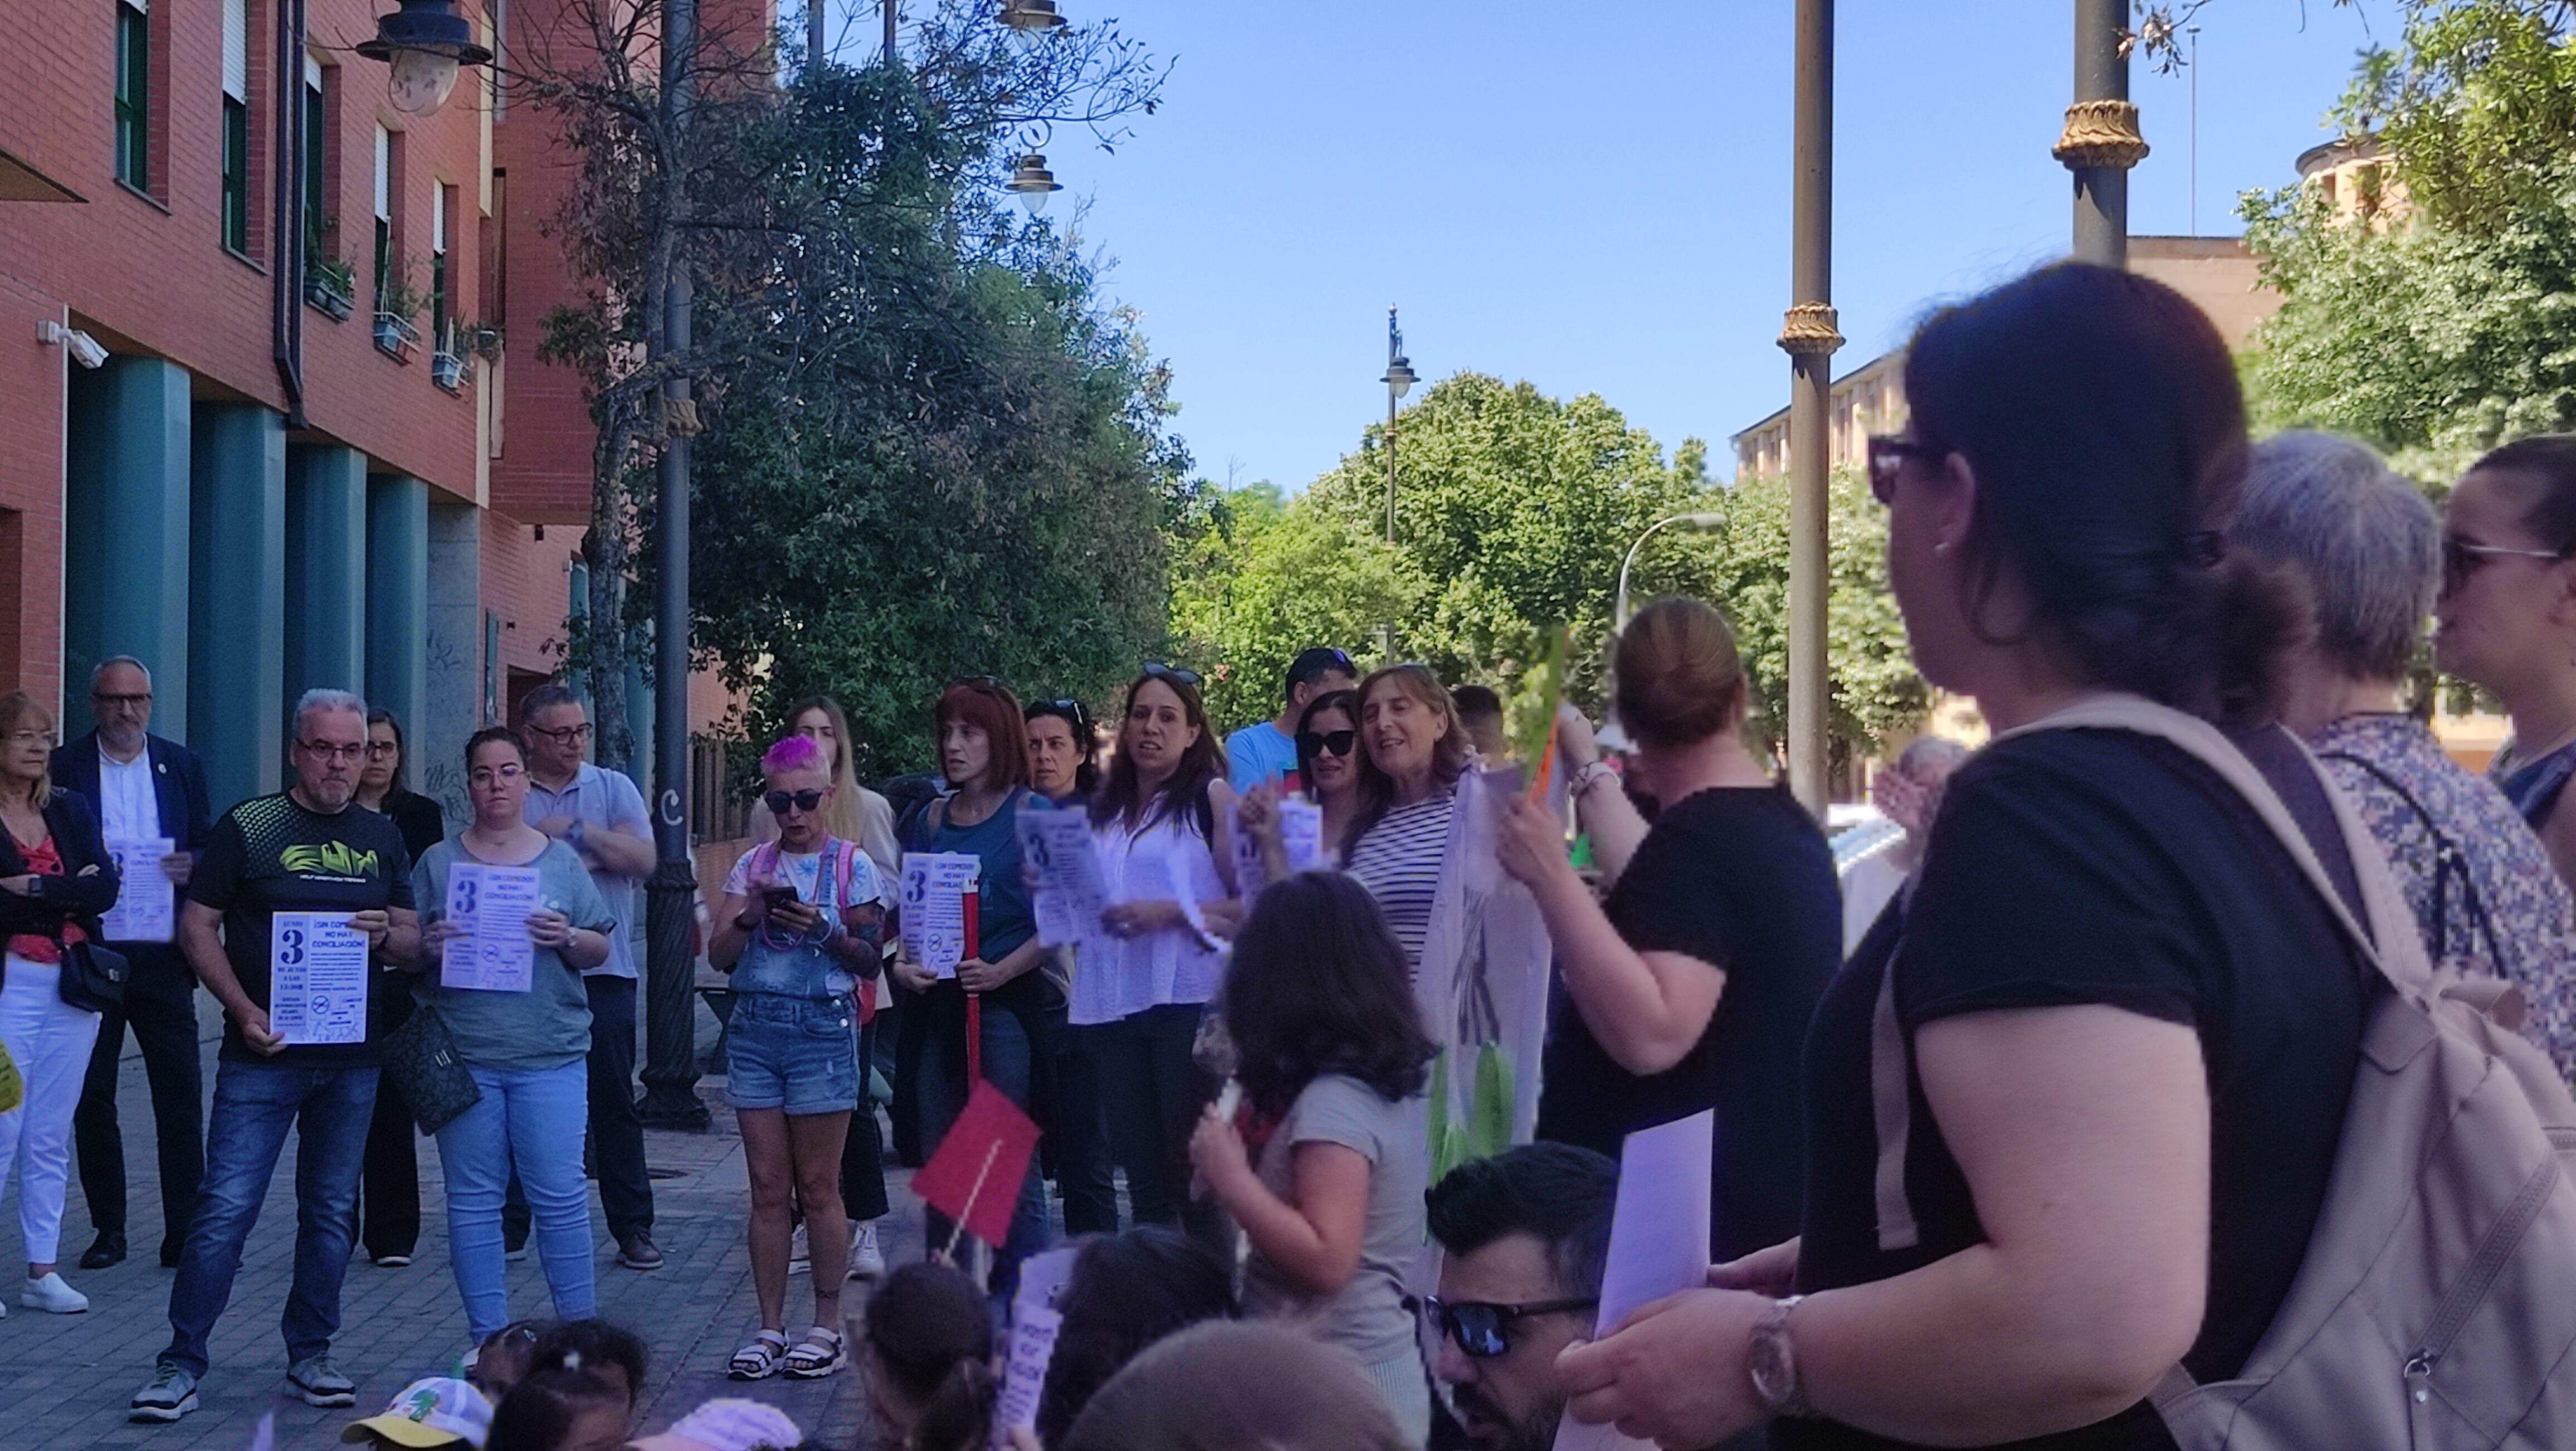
(774, 897)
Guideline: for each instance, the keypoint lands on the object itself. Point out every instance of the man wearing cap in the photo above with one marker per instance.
(1267, 749)
(429, 1413)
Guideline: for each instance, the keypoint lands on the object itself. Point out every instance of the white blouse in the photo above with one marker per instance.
(1119, 977)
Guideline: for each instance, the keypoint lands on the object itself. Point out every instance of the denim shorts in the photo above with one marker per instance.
(799, 1054)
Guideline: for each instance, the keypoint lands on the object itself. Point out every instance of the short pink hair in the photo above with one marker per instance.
(795, 753)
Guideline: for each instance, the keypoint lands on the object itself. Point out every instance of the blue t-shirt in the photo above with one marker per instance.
(601, 800)
(1258, 754)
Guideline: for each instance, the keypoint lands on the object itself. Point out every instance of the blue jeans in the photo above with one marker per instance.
(1008, 1065)
(255, 1105)
(533, 1121)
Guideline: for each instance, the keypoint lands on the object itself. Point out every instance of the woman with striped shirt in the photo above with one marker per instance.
(1411, 755)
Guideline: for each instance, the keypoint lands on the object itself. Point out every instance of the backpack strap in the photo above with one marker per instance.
(2449, 863)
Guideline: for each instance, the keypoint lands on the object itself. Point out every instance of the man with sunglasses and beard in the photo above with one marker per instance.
(1523, 1238)
(599, 814)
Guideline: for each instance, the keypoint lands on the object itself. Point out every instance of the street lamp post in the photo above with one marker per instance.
(424, 43)
(1399, 381)
(2101, 140)
(1619, 610)
(1809, 335)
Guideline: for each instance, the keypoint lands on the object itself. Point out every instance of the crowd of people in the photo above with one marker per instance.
(2062, 1076)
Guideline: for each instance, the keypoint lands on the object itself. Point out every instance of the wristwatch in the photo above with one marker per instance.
(1773, 1363)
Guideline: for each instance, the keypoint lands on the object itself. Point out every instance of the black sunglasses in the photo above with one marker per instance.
(1157, 670)
(1478, 1327)
(1887, 454)
(779, 801)
(1326, 743)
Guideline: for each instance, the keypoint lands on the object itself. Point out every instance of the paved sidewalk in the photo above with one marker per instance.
(65, 1380)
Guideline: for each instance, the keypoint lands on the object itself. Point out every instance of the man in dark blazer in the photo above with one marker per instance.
(145, 788)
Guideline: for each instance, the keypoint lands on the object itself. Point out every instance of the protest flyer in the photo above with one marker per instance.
(935, 886)
(1658, 1239)
(145, 905)
(1035, 1322)
(1069, 896)
(317, 991)
(490, 905)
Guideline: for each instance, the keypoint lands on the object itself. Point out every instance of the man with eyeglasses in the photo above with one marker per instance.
(1266, 750)
(1523, 1238)
(600, 814)
(147, 789)
(309, 848)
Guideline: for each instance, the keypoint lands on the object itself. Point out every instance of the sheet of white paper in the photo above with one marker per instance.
(492, 905)
(1301, 833)
(1659, 1229)
(1658, 1240)
(143, 910)
(317, 990)
(1034, 1324)
(1069, 896)
(935, 884)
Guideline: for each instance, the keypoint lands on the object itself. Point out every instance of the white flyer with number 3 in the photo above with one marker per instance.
(489, 907)
(317, 986)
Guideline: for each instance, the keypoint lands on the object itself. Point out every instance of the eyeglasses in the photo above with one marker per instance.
(779, 802)
(1478, 1326)
(330, 752)
(127, 702)
(1887, 454)
(1157, 670)
(2462, 558)
(1326, 743)
(489, 776)
(571, 735)
(381, 750)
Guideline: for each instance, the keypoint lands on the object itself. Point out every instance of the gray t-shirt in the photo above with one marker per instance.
(1368, 1317)
(545, 1027)
(601, 800)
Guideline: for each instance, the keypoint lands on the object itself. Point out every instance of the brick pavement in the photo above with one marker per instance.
(65, 1380)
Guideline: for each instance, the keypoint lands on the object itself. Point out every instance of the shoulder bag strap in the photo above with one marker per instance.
(2449, 863)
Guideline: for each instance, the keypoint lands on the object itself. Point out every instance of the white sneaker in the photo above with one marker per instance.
(52, 1296)
(867, 1258)
(800, 1253)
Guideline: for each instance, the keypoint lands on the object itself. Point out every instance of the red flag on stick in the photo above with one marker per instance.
(974, 1178)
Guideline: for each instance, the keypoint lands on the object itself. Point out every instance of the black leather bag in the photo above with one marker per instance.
(420, 1060)
(93, 978)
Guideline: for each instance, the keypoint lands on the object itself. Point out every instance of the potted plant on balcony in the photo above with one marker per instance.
(397, 304)
(330, 285)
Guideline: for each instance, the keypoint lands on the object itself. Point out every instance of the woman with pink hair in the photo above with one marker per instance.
(798, 930)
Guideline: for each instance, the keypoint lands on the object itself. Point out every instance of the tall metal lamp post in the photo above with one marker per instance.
(2101, 140)
(1399, 381)
(1809, 335)
(1619, 610)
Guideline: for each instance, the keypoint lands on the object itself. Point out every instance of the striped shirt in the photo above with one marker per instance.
(1399, 862)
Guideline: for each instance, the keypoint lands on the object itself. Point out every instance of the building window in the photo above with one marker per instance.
(439, 311)
(133, 94)
(384, 213)
(317, 220)
(236, 138)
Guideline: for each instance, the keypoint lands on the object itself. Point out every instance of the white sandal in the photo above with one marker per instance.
(760, 1359)
(819, 1354)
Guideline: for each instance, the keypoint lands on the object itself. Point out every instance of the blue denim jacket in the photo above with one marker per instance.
(801, 968)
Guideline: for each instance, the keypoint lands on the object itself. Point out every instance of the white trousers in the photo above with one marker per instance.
(50, 1043)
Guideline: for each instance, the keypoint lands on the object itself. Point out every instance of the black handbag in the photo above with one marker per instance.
(93, 978)
(420, 1060)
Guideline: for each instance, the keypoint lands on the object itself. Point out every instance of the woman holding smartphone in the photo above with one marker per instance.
(798, 930)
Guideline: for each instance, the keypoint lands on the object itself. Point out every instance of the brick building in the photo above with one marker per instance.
(291, 468)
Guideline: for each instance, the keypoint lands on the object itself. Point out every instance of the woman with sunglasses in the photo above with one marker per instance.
(2507, 620)
(983, 742)
(1333, 1065)
(1160, 827)
(2071, 1113)
(857, 814)
(1328, 740)
(1064, 752)
(798, 932)
(527, 1051)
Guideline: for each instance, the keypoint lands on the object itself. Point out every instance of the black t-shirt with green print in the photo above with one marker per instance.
(269, 855)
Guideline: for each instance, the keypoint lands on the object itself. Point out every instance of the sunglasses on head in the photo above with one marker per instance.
(779, 801)
(2462, 558)
(1477, 1327)
(1157, 670)
(1326, 743)
(1071, 710)
(1887, 454)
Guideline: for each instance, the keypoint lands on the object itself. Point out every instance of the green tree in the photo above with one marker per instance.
(2441, 326)
(1514, 511)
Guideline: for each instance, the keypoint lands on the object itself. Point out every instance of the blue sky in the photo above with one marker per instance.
(1594, 197)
